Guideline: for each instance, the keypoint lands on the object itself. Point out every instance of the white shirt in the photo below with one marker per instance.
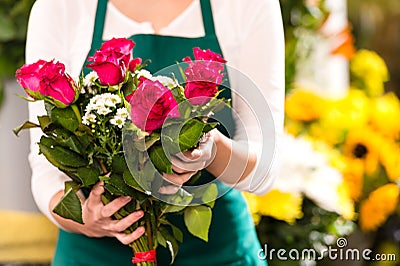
(250, 34)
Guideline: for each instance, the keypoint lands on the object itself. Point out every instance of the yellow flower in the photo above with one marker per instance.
(385, 115)
(364, 144)
(351, 111)
(378, 206)
(353, 176)
(281, 206)
(390, 158)
(328, 130)
(368, 67)
(303, 105)
(293, 127)
(345, 204)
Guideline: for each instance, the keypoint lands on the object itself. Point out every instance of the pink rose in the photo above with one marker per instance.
(200, 92)
(29, 78)
(134, 63)
(48, 81)
(112, 60)
(151, 104)
(207, 55)
(203, 76)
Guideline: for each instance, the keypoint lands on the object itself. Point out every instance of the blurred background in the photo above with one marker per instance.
(341, 158)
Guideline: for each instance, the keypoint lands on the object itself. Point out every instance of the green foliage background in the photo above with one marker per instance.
(13, 24)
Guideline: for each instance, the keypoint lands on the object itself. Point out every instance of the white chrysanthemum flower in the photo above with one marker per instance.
(89, 79)
(144, 73)
(166, 81)
(88, 119)
(305, 170)
(118, 121)
(123, 112)
(103, 110)
(110, 100)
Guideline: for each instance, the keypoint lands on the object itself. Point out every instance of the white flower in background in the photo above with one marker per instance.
(305, 170)
(103, 110)
(88, 119)
(143, 73)
(103, 103)
(110, 100)
(123, 112)
(166, 81)
(298, 160)
(88, 82)
(120, 118)
(118, 121)
(90, 78)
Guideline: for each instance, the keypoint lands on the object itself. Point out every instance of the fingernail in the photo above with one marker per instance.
(140, 230)
(139, 213)
(126, 199)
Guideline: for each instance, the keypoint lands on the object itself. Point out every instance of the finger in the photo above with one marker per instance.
(168, 190)
(124, 223)
(94, 198)
(178, 179)
(129, 238)
(189, 156)
(180, 167)
(202, 153)
(114, 206)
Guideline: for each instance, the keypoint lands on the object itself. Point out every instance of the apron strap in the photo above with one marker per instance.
(207, 14)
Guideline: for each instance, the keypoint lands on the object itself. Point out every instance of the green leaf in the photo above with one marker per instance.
(65, 117)
(118, 164)
(70, 207)
(67, 139)
(131, 181)
(173, 208)
(186, 136)
(145, 144)
(197, 220)
(60, 156)
(26, 125)
(176, 232)
(161, 240)
(116, 185)
(71, 185)
(160, 160)
(88, 176)
(210, 126)
(171, 242)
(210, 195)
(44, 122)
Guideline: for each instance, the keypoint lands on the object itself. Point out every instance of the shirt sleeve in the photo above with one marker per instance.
(258, 94)
(44, 41)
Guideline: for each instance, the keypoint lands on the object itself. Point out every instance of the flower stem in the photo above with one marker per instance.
(102, 166)
(149, 232)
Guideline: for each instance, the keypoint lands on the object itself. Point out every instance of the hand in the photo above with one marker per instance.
(97, 217)
(188, 163)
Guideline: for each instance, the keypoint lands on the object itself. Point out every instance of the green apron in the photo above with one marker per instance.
(232, 236)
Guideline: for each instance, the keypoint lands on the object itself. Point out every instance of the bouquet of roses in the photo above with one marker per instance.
(120, 124)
